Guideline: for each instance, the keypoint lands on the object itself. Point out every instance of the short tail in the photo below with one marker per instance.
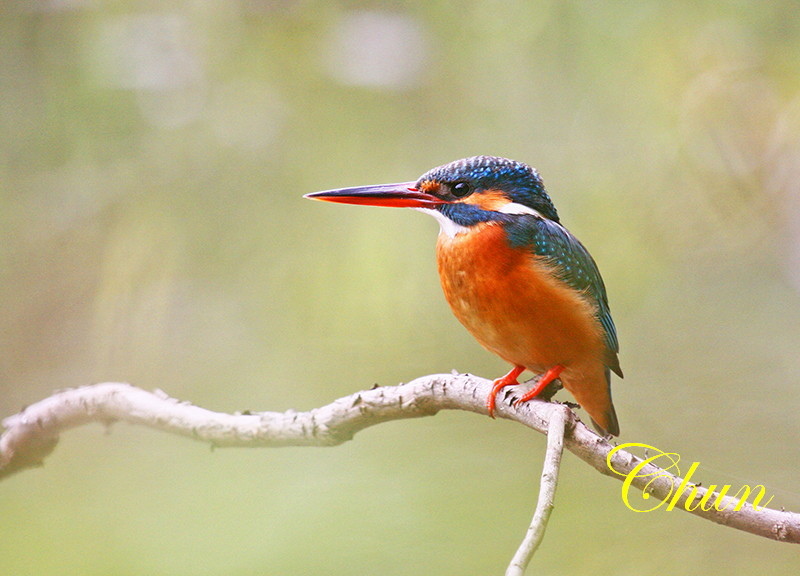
(610, 426)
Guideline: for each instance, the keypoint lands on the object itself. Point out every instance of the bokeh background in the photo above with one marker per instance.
(153, 158)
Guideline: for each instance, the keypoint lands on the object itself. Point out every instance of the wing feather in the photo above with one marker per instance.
(573, 265)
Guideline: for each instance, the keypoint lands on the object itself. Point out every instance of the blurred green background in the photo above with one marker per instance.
(153, 158)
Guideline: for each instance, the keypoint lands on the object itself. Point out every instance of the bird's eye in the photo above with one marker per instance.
(460, 189)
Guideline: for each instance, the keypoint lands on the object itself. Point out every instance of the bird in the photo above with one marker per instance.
(522, 285)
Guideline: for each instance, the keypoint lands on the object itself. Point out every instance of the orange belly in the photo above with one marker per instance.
(512, 304)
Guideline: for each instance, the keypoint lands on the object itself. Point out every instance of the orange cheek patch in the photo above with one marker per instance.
(492, 200)
(429, 187)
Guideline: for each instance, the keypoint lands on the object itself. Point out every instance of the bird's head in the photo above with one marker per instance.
(461, 193)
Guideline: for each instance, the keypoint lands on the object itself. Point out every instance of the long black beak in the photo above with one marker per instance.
(402, 195)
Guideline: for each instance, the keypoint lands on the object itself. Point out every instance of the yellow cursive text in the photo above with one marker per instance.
(661, 472)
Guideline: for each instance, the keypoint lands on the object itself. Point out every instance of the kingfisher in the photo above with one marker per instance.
(514, 276)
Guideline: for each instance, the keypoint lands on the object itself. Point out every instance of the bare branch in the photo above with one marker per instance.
(33, 433)
(547, 494)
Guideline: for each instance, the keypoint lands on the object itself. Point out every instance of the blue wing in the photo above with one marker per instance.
(573, 265)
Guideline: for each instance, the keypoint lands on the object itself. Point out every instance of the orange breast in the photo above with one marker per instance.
(513, 305)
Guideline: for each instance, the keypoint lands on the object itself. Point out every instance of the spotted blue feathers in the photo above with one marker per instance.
(521, 182)
(572, 264)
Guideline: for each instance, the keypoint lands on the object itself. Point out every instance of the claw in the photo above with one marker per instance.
(508, 380)
(544, 380)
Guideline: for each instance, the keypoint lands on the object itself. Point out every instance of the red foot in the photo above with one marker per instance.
(544, 380)
(508, 380)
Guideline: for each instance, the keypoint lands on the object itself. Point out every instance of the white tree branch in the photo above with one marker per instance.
(547, 493)
(32, 434)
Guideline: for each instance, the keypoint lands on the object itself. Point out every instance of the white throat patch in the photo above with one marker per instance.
(446, 226)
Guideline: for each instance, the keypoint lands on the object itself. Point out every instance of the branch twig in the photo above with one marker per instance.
(33, 433)
(547, 494)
